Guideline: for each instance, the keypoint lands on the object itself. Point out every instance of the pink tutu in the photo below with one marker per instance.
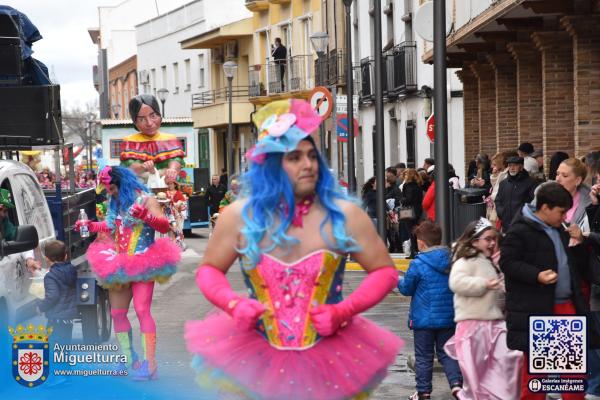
(351, 362)
(158, 262)
(490, 370)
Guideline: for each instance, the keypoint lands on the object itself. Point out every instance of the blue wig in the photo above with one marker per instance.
(268, 190)
(129, 189)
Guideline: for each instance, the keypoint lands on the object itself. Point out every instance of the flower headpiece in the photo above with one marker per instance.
(281, 126)
(482, 225)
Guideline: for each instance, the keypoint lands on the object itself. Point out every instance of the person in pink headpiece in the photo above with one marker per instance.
(294, 336)
(127, 259)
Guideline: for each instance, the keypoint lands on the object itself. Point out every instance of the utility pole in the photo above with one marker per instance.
(379, 137)
(442, 195)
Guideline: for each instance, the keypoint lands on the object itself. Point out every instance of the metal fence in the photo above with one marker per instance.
(402, 69)
(218, 96)
(296, 73)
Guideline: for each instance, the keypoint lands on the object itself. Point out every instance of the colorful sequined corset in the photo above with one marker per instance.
(133, 239)
(289, 291)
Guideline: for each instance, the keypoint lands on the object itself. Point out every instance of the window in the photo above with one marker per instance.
(153, 80)
(115, 148)
(188, 75)
(164, 76)
(201, 75)
(410, 144)
(183, 141)
(176, 77)
(32, 202)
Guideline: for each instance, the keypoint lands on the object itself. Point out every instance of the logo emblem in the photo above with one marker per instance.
(30, 354)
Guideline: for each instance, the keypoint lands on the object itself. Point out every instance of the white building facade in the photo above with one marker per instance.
(408, 95)
(163, 64)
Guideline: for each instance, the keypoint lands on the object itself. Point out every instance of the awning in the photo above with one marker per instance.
(219, 36)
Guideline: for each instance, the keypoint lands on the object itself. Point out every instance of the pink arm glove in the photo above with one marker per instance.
(215, 286)
(160, 224)
(328, 318)
(94, 227)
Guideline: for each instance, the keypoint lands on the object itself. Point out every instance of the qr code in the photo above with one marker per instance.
(557, 345)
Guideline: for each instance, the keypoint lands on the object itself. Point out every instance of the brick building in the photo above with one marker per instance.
(530, 73)
(122, 86)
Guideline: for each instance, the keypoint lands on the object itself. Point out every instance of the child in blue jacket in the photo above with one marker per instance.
(431, 314)
(60, 302)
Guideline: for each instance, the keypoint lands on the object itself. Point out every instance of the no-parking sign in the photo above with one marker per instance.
(342, 127)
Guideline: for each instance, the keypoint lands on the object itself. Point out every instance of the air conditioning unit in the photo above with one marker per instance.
(216, 54)
(231, 49)
(144, 77)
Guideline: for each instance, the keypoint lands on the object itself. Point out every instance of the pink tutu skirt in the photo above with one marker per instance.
(349, 364)
(157, 263)
(490, 370)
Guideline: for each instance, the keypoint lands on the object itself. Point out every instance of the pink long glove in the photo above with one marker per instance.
(215, 286)
(93, 226)
(160, 224)
(328, 318)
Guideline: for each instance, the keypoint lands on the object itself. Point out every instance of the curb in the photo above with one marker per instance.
(400, 263)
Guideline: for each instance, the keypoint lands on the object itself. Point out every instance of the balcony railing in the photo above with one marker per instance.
(398, 73)
(337, 67)
(402, 69)
(275, 77)
(322, 71)
(219, 96)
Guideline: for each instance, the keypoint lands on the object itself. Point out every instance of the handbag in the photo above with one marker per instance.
(407, 213)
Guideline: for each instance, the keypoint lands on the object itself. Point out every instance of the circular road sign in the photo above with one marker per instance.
(321, 101)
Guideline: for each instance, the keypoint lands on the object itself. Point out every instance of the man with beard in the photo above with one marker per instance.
(514, 191)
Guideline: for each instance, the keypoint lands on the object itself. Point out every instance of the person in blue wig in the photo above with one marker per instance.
(127, 259)
(292, 227)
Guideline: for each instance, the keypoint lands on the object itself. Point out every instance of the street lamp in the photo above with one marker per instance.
(116, 108)
(230, 68)
(90, 118)
(319, 41)
(350, 98)
(162, 96)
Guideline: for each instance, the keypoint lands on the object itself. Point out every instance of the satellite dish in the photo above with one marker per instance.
(423, 21)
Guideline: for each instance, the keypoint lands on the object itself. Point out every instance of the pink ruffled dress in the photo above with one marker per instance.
(284, 357)
(132, 254)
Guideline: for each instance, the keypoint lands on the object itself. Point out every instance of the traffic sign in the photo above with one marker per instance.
(431, 128)
(341, 104)
(342, 127)
(321, 101)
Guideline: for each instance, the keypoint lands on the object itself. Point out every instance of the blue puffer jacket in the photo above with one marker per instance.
(60, 295)
(426, 280)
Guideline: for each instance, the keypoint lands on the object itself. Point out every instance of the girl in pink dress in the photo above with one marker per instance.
(294, 336)
(490, 370)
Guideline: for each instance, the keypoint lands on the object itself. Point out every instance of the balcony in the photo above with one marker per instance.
(211, 108)
(401, 69)
(266, 79)
(257, 5)
(322, 71)
(398, 73)
(337, 67)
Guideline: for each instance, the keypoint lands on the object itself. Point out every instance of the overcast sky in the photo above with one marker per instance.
(66, 48)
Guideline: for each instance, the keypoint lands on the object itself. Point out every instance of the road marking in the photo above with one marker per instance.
(400, 263)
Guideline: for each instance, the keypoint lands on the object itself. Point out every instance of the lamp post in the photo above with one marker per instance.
(379, 137)
(90, 118)
(230, 68)
(162, 96)
(319, 41)
(350, 98)
(116, 108)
